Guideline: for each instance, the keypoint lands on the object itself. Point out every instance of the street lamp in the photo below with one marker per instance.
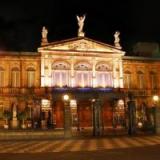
(67, 117)
(155, 98)
(66, 97)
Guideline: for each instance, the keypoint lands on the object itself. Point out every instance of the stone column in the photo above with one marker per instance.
(72, 80)
(94, 74)
(157, 120)
(114, 75)
(67, 120)
(120, 74)
(42, 72)
(131, 117)
(97, 118)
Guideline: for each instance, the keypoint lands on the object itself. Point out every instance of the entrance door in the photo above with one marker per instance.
(107, 112)
(58, 115)
(84, 114)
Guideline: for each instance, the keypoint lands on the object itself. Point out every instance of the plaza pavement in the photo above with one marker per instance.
(78, 145)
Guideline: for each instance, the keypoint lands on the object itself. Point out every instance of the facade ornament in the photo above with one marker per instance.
(80, 20)
(44, 36)
(117, 40)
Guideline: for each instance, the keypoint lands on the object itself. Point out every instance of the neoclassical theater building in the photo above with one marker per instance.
(87, 70)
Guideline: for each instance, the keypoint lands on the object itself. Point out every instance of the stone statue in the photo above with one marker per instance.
(81, 24)
(44, 40)
(44, 33)
(117, 40)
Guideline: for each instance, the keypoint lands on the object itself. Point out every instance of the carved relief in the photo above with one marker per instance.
(82, 66)
(80, 46)
(60, 65)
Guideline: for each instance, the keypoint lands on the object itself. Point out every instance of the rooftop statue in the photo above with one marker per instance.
(117, 40)
(116, 36)
(81, 24)
(44, 32)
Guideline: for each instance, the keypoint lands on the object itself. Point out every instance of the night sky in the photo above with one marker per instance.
(21, 21)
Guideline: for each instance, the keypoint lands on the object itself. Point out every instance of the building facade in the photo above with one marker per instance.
(89, 71)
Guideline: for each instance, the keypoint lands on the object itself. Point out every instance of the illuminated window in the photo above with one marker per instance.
(153, 80)
(104, 79)
(104, 76)
(30, 77)
(127, 79)
(60, 78)
(1, 77)
(83, 78)
(60, 74)
(140, 79)
(83, 74)
(15, 77)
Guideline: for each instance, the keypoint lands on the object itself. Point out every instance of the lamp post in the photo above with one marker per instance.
(67, 117)
(156, 114)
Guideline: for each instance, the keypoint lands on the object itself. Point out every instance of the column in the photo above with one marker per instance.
(131, 117)
(120, 74)
(72, 84)
(157, 120)
(94, 73)
(97, 118)
(46, 72)
(42, 71)
(114, 75)
(49, 72)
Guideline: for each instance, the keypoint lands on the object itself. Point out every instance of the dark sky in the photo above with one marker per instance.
(21, 21)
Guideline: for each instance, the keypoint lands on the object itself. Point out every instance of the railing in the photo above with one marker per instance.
(142, 92)
(44, 90)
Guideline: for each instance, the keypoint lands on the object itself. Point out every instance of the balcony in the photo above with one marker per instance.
(41, 91)
(142, 92)
(17, 91)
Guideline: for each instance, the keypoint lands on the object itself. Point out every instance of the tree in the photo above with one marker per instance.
(22, 116)
(7, 115)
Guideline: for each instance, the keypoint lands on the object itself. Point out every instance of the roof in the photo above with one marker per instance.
(80, 44)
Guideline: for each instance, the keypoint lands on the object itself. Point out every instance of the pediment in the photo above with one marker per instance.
(80, 44)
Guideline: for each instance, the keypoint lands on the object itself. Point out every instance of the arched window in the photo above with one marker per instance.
(1, 77)
(30, 77)
(60, 74)
(127, 79)
(140, 80)
(83, 74)
(15, 77)
(104, 76)
(153, 80)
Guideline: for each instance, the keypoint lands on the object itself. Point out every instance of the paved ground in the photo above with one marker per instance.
(140, 153)
(78, 145)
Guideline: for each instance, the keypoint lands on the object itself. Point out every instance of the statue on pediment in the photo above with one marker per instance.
(117, 40)
(81, 24)
(44, 36)
(44, 32)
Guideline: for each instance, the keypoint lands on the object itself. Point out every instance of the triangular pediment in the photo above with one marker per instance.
(80, 44)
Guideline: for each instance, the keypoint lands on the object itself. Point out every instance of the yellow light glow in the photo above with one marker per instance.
(73, 103)
(140, 125)
(120, 102)
(66, 97)
(155, 98)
